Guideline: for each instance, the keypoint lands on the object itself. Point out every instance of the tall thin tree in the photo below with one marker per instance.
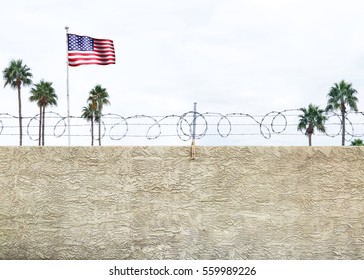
(44, 94)
(16, 75)
(36, 95)
(99, 97)
(341, 95)
(88, 113)
(311, 118)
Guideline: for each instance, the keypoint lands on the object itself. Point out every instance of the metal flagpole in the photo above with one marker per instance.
(68, 93)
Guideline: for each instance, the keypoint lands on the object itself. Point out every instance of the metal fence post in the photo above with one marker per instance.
(193, 146)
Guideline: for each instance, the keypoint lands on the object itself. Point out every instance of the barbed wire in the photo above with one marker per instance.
(117, 127)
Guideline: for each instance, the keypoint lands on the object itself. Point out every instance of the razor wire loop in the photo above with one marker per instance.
(2, 126)
(183, 122)
(120, 123)
(28, 126)
(348, 124)
(333, 115)
(352, 129)
(275, 115)
(219, 124)
(362, 134)
(352, 134)
(62, 120)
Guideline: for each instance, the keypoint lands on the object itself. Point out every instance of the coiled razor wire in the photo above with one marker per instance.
(5, 116)
(183, 125)
(49, 115)
(117, 127)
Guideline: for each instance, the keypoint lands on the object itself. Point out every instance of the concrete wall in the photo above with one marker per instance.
(156, 203)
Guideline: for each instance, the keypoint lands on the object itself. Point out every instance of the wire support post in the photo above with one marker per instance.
(193, 145)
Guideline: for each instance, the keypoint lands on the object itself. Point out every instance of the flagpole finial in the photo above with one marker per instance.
(66, 27)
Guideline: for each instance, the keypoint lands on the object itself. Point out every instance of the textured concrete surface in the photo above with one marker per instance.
(156, 203)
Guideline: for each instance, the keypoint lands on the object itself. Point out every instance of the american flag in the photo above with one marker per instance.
(84, 50)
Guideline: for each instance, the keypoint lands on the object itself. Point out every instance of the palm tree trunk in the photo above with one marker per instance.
(343, 128)
(100, 130)
(40, 125)
(310, 139)
(20, 117)
(43, 116)
(92, 130)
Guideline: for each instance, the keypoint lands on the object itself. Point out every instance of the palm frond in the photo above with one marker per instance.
(312, 117)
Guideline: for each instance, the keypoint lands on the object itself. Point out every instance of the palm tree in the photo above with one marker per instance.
(311, 118)
(340, 96)
(44, 94)
(88, 113)
(357, 142)
(98, 98)
(16, 75)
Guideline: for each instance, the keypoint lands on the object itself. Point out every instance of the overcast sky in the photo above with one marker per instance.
(229, 56)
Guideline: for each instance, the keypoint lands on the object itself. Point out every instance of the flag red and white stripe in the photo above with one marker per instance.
(83, 50)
